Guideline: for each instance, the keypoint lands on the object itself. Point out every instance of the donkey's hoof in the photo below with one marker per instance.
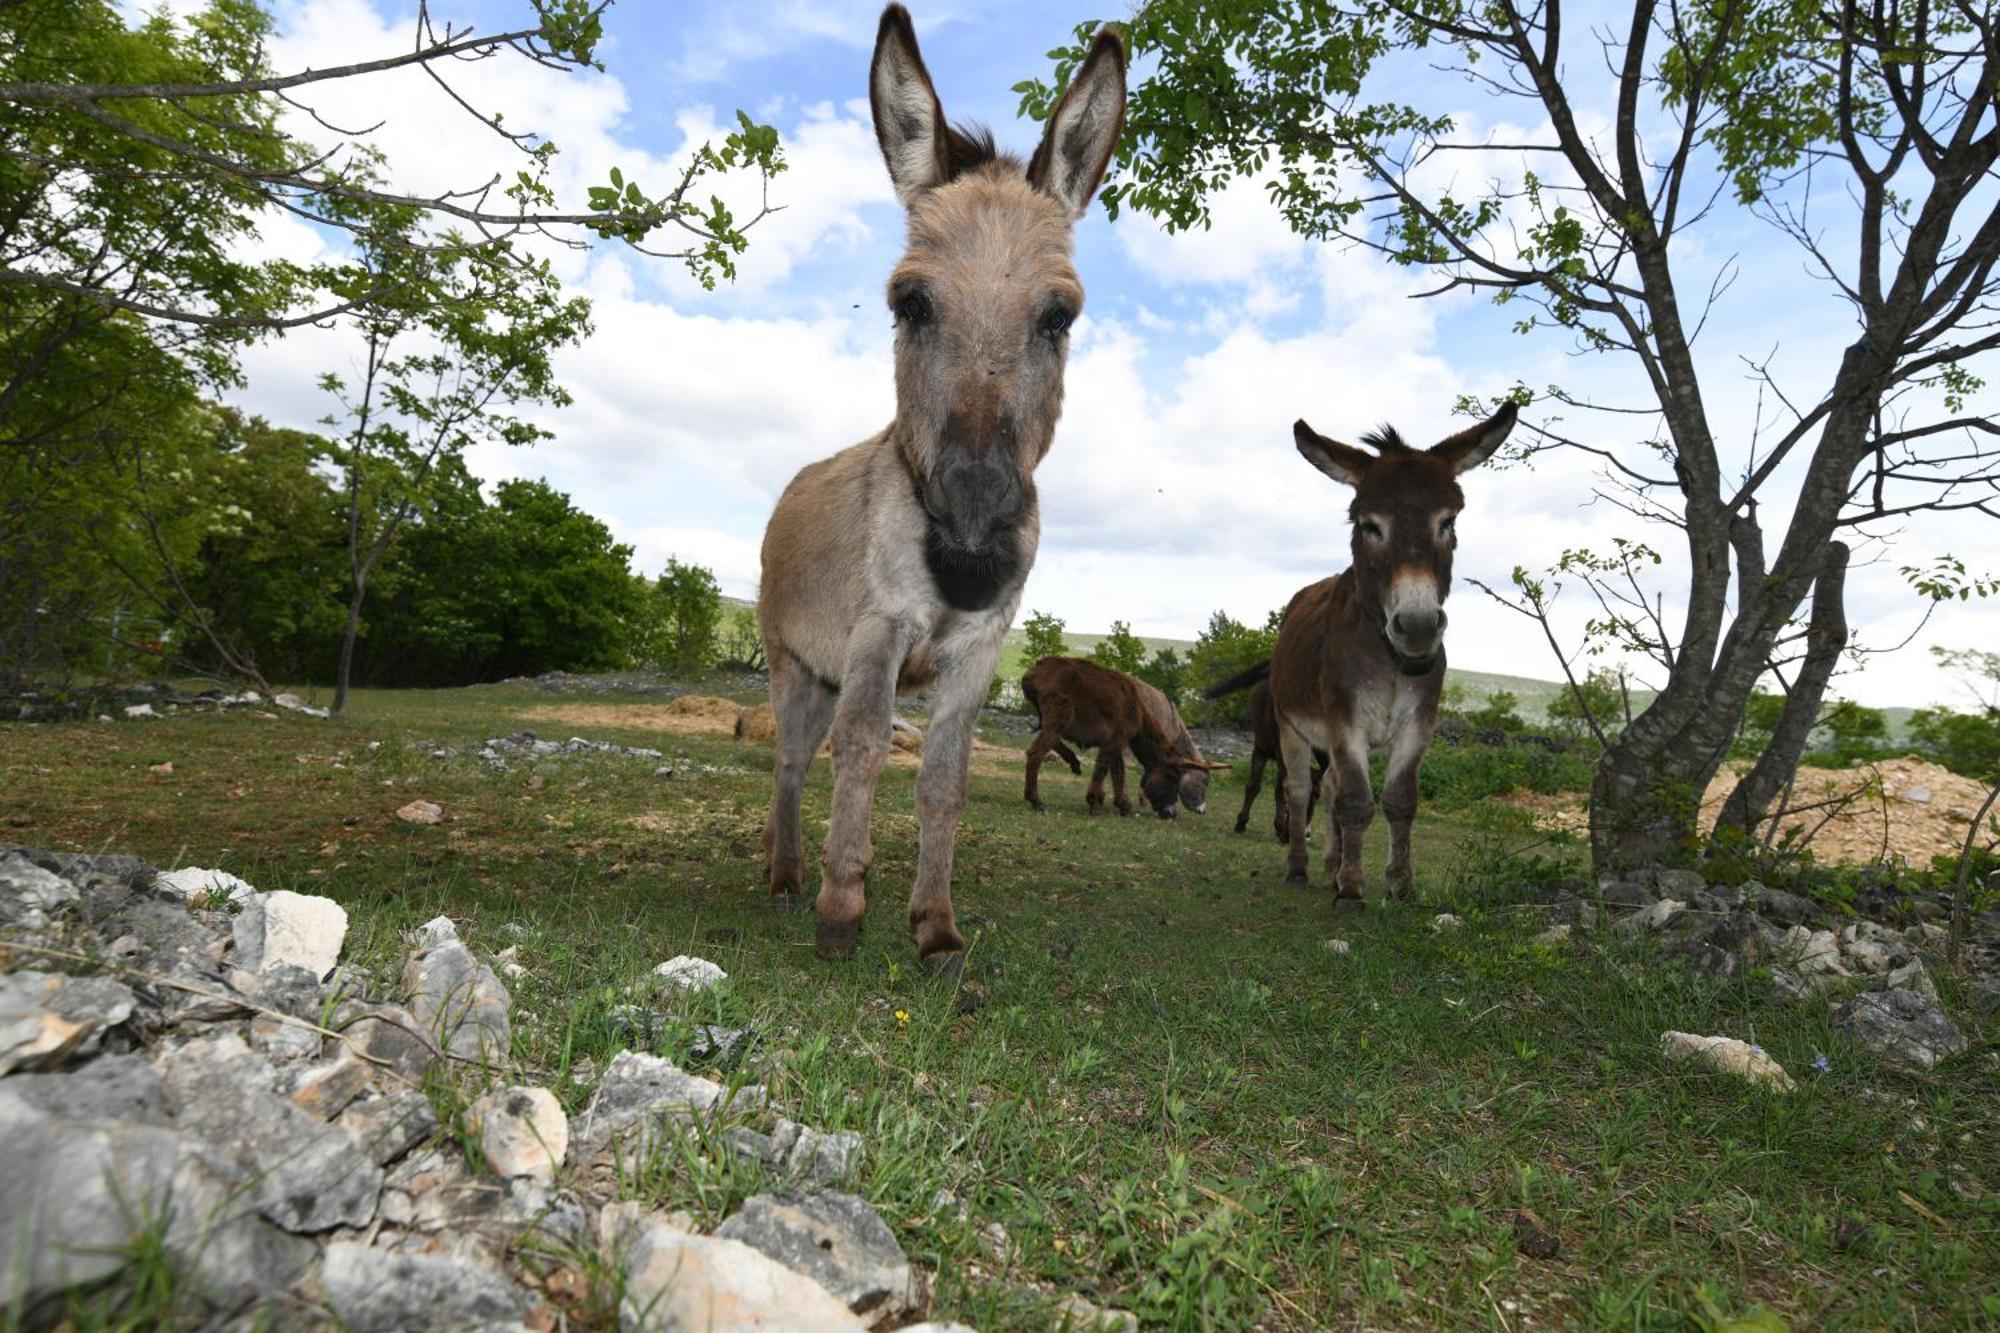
(1038, 807)
(1297, 879)
(836, 941)
(946, 965)
(784, 904)
(1343, 903)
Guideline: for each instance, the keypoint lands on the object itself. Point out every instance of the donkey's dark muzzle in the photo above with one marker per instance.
(975, 494)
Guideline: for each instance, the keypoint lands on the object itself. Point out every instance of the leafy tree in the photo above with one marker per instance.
(1760, 718)
(261, 591)
(481, 591)
(1594, 702)
(1500, 712)
(137, 159)
(440, 372)
(1965, 741)
(742, 641)
(1225, 648)
(1854, 731)
(171, 144)
(1862, 134)
(1121, 649)
(1167, 672)
(1042, 636)
(682, 620)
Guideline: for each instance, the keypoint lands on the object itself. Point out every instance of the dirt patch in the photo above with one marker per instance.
(689, 715)
(1903, 811)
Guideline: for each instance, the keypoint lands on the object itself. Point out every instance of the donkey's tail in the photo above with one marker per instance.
(1242, 680)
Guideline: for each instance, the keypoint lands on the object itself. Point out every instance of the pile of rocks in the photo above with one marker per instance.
(211, 1088)
(1878, 977)
(111, 703)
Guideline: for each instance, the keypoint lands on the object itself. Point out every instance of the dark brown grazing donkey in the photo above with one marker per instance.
(1194, 781)
(1088, 704)
(899, 562)
(1264, 749)
(1359, 661)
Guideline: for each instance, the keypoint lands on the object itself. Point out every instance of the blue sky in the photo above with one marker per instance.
(1173, 489)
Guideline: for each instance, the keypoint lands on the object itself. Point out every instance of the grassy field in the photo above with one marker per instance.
(1174, 1098)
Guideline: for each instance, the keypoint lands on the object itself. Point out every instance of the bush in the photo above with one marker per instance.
(1227, 648)
(1042, 636)
(1967, 743)
(1500, 712)
(1121, 650)
(1167, 672)
(741, 643)
(680, 626)
(1473, 758)
(1602, 693)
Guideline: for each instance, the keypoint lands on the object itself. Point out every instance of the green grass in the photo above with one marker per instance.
(1174, 1099)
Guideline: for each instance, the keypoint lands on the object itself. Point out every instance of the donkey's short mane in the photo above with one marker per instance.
(1386, 440)
(972, 147)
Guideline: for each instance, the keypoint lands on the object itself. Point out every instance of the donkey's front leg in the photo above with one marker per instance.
(956, 700)
(804, 707)
(1350, 805)
(1399, 805)
(861, 723)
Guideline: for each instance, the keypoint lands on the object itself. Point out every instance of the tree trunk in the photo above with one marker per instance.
(347, 638)
(1826, 639)
(1646, 793)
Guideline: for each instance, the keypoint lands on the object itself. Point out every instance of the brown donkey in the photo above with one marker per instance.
(1359, 661)
(899, 562)
(1091, 704)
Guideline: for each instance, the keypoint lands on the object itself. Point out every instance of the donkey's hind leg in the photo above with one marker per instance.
(1296, 754)
(1056, 711)
(1251, 786)
(804, 705)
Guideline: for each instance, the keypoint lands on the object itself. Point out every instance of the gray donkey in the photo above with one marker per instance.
(899, 562)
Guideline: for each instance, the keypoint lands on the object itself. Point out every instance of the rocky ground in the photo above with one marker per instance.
(1902, 811)
(193, 1084)
(1878, 977)
(111, 703)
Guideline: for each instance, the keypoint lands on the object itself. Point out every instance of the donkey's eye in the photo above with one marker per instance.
(1372, 530)
(1056, 321)
(1445, 528)
(912, 308)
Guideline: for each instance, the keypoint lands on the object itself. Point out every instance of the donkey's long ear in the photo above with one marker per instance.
(1083, 130)
(1343, 462)
(1475, 444)
(909, 119)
